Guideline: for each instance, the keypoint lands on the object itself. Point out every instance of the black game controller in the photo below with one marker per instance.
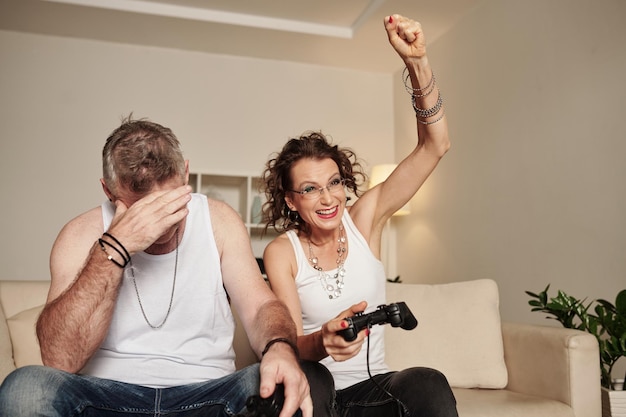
(256, 406)
(396, 314)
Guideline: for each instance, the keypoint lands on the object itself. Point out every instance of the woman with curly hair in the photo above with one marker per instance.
(326, 265)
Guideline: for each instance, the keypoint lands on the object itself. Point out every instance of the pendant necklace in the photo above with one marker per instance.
(332, 285)
(169, 308)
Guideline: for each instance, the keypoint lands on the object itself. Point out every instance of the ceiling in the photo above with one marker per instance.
(338, 33)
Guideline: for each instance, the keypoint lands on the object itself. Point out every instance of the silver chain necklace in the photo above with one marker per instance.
(332, 285)
(169, 308)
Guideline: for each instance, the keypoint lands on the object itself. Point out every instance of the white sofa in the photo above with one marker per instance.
(496, 369)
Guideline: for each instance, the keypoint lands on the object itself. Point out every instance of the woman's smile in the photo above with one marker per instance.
(328, 213)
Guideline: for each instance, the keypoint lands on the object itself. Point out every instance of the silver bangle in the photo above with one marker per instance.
(424, 122)
(426, 113)
(418, 92)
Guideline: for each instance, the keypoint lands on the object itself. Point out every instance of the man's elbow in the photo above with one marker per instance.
(63, 364)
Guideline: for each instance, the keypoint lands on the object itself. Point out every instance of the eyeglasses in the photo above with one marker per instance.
(310, 192)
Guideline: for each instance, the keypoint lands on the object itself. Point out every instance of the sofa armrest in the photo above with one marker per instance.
(554, 362)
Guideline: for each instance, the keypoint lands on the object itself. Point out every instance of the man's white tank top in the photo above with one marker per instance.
(195, 343)
(364, 280)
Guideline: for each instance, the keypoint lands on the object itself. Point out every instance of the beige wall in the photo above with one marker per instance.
(532, 191)
(60, 98)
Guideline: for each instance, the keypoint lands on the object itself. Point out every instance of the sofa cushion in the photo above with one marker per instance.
(505, 403)
(6, 350)
(459, 332)
(24, 337)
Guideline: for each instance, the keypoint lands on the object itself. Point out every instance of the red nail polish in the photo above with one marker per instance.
(344, 324)
(390, 19)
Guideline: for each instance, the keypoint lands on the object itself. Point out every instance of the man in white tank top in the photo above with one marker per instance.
(138, 318)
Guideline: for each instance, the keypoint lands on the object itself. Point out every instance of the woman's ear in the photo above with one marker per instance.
(290, 205)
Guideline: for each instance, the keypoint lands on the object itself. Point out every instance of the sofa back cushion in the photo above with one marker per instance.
(459, 332)
(6, 350)
(20, 302)
(24, 337)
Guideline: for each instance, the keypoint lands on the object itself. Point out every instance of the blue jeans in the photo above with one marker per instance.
(38, 391)
(413, 392)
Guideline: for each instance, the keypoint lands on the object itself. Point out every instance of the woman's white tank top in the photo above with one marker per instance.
(364, 280)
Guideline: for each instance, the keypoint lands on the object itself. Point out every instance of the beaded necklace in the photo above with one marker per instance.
(332, 285)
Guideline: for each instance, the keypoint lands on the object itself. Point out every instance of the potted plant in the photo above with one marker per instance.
(605, 320)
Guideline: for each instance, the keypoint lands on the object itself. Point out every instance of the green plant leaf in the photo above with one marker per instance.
(620, 303)
(608, 324)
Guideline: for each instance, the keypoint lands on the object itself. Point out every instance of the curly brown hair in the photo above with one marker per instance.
(276, 179)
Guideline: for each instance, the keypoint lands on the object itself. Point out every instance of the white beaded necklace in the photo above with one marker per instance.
(332, 285)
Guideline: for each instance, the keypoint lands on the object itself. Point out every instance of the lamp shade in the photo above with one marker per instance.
(379, 174)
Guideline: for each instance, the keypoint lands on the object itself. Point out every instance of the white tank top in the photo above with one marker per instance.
(364, 280)
(195, 343)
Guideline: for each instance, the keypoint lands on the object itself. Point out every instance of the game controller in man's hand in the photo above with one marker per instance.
(396, 314)
(256, 406)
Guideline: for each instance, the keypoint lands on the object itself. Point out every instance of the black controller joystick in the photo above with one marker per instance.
(256, 406)
(396, 314)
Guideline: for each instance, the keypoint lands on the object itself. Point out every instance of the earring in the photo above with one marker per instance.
(293, 217)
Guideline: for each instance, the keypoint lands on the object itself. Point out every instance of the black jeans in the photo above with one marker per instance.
(417, 392)
(322, 388)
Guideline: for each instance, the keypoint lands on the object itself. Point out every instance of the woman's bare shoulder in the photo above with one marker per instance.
(279, 244)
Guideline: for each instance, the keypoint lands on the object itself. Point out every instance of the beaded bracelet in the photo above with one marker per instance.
(425, 113)
(102, 243)
(281, 340)
(424, 122)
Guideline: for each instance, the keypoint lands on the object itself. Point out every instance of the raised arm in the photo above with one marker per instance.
(378, 204)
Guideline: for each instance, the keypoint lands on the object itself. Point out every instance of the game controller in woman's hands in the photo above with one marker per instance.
(396, 314)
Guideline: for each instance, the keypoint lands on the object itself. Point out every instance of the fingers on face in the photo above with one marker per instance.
(170, 201)
(167, 195)
(178, 204)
